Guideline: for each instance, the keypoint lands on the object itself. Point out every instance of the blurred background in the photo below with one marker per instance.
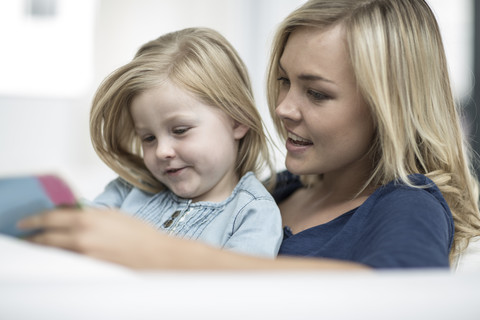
(55, 53)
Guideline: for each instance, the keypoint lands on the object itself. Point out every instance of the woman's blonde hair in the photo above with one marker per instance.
(400, 66)
(199, 60)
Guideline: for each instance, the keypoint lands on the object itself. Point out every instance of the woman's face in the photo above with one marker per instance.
(329, 125)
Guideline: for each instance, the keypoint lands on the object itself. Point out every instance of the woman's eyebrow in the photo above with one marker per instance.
(307, 77)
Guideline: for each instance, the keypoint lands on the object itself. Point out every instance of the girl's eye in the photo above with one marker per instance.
(180, 130)
(284, 81)
(148, 139)
(317, 96)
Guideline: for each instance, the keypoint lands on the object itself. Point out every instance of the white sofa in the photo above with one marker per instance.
(46, 283)
(469, 260)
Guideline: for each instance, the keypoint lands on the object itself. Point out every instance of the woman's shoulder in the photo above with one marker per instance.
(419, 187)
(420, 201)
(414, 218)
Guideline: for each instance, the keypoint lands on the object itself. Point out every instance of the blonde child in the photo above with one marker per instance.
(179, 126)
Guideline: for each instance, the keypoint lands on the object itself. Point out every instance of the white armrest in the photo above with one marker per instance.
(469, 260)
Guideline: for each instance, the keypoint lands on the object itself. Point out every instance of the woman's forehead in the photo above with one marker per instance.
(318, 53)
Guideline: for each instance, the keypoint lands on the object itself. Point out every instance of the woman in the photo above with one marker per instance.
(360, 91)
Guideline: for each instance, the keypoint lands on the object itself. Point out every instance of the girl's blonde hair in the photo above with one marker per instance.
(199, 60)
(400, 66)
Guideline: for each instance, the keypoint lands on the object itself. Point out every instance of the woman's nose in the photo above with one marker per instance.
(288, 106)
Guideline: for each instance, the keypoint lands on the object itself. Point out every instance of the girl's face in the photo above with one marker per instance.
(188, 146)
(329, 125)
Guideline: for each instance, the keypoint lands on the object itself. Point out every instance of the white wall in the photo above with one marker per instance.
(50, 68)
(54, 64)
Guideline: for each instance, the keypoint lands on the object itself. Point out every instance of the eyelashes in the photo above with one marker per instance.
(176, 131)
(283, 81)
(318, 96)
(180, 130)
(314, 95)
(148, 139)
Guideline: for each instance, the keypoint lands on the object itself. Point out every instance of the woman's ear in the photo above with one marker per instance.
(239, 130)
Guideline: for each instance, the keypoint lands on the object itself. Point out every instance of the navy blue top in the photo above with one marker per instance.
(396, 227)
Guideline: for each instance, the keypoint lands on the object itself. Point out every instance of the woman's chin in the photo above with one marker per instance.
(295, 167)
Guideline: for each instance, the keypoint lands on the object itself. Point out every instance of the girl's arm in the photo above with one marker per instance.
(112, 236)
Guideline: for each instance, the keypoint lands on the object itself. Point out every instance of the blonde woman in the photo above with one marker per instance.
(377, 138)
(379, 171)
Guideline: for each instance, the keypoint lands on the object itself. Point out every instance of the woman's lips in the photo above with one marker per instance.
(296, 144)
(297, 140)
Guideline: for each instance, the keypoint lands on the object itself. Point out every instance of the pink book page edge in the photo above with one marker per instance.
(56, 189)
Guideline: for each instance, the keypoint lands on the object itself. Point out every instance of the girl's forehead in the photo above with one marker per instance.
(167, 102)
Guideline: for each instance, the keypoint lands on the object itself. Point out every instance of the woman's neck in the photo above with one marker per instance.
(324, 201)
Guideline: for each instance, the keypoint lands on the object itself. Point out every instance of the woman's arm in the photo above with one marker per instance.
(113, 236)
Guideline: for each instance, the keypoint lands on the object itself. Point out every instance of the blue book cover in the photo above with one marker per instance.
(21, 197)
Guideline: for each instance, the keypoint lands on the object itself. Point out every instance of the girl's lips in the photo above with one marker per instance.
(173, 171)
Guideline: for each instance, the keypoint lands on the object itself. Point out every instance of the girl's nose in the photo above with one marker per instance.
(165, 149)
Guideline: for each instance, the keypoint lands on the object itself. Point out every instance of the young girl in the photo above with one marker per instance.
(179, 125)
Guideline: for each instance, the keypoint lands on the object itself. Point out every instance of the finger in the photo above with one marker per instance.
(59, 239)
(60, 218)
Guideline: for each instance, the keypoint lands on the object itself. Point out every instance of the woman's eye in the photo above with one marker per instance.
(317, 96)
(284, 81)
(180, 130)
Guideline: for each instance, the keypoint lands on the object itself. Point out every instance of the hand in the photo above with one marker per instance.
(100, 233)
(119, 238)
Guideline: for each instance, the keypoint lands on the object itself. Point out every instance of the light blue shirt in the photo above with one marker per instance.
(248, 221)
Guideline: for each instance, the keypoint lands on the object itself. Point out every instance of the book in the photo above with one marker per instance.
(24, 196)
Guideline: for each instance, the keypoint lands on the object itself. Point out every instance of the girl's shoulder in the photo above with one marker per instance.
(119, 185)
(251, 187)
(116, 191)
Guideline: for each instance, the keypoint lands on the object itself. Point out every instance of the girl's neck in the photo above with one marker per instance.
(222, 190)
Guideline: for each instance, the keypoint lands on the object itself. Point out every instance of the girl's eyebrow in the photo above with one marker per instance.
(307, 77)
(178, 116)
